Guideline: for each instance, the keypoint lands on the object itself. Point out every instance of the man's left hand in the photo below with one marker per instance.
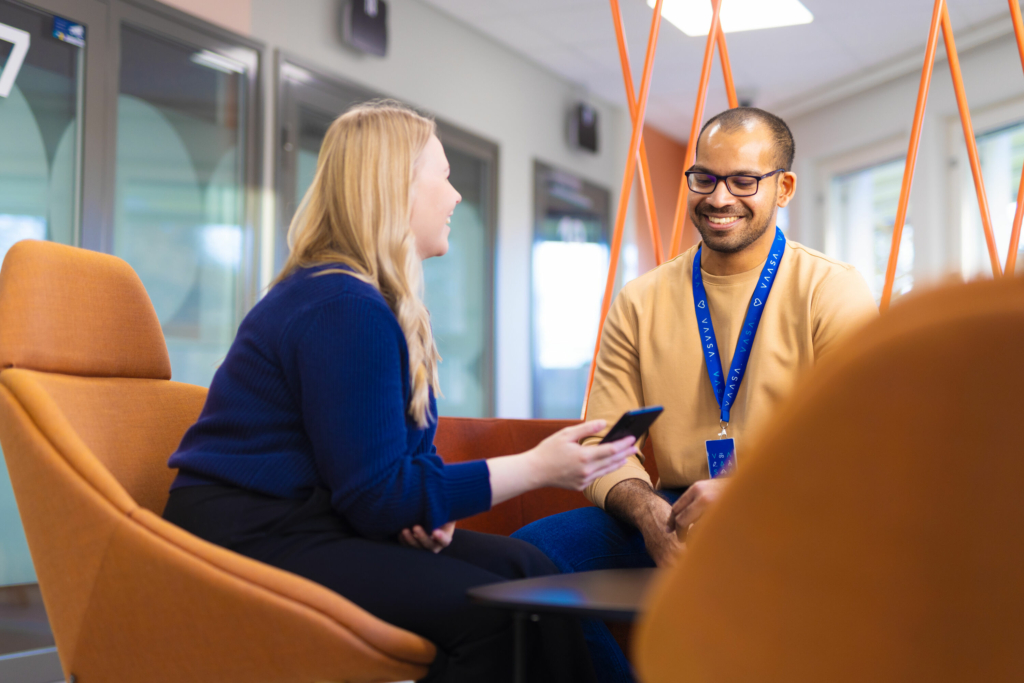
(694, 502)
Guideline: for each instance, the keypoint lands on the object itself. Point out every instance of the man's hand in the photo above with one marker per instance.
(694, 503)
(435, 541)
(633, 501)
(662, 544)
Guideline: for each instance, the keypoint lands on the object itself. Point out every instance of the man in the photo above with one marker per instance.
(785, 304)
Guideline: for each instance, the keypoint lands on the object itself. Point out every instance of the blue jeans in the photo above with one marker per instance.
(585, 539)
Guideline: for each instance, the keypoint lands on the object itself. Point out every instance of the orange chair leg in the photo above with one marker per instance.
(647, 189)
(627, 184)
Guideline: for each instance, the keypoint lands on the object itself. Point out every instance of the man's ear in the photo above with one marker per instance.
(787, 188)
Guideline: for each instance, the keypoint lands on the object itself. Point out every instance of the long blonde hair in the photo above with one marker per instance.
(356, 213)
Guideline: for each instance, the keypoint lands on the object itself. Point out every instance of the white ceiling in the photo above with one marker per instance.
(576, 40)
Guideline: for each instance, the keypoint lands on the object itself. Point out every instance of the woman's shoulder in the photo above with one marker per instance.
(310, 289)
(325, 292)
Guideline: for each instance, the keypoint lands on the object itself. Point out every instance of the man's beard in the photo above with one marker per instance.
(716, 242)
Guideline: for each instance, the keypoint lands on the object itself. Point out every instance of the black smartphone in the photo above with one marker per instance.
(635, 423)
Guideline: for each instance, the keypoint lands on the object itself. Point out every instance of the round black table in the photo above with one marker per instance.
(610, 594)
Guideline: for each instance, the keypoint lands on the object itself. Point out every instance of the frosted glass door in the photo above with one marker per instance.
(179, 204)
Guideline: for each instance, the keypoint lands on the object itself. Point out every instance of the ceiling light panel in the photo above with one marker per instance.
(693, 17)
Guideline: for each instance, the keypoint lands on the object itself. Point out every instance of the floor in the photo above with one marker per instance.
(23, 624)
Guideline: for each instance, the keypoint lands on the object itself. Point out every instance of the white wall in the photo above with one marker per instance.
(447, 68)
(880, 118)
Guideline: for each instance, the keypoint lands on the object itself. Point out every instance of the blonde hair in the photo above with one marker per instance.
(356, 213)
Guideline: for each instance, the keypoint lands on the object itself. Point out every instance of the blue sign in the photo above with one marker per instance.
(69, 32)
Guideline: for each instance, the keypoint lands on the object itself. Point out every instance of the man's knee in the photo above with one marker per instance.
(568, 537)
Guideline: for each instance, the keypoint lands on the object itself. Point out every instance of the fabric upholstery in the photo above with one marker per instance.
(147, 601)
(116, 420)
(77, 312)
(459, 439)
(876, 529)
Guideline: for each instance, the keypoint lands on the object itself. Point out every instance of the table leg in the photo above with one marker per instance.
(520, 646)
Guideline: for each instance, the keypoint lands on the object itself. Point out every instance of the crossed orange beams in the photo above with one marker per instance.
(638, 152)
(940, 18)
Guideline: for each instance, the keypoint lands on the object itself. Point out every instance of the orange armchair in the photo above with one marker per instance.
(88, 418)
(876, 531)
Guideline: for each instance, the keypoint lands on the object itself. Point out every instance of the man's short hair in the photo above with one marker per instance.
(733, 119)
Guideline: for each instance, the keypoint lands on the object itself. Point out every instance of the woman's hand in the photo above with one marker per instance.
(561, 461)
(435, 541)
(558, 460)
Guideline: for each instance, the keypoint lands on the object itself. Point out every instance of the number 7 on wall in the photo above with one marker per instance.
(21, 40)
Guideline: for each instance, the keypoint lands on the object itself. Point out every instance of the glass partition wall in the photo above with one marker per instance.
(183, 115)
(128, 128)
(459, 290)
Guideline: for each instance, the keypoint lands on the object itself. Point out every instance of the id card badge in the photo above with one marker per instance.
(721, 456)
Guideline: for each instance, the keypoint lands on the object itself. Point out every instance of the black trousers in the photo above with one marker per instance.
(414, 589)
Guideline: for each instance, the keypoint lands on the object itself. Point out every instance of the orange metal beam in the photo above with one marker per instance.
(723, 56)
(1011, 255)
(646, 186)
(698, 117)
(940, 19)
(972, 144)
(911, 162)
(627, 185)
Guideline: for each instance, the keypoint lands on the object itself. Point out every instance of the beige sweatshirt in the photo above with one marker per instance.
(651, 354)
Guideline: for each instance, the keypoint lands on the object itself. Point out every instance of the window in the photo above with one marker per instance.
(862, 213)
(568, 272)
(1002, 156)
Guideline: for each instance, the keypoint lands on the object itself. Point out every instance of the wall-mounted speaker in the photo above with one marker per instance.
(364, 25)
(583, 127)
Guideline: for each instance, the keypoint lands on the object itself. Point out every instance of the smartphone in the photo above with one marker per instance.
(635, 423)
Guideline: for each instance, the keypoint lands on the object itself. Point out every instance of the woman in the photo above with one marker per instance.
(314, 452)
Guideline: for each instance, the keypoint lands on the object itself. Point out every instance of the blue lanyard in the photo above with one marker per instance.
(726, 390)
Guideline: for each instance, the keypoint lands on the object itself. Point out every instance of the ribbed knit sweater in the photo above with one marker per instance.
(313, 393)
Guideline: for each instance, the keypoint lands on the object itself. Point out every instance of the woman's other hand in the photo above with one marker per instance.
(436, 541)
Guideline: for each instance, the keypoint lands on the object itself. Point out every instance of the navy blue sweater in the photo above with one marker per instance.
(313, 393)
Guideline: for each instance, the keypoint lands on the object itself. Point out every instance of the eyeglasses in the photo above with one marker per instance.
(738, 185)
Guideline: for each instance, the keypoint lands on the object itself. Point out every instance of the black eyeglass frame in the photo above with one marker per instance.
(725, 178)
